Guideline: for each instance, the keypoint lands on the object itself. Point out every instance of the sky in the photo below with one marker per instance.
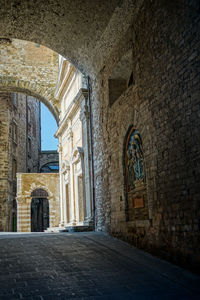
(48, 129)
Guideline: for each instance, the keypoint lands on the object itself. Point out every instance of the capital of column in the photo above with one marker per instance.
(20, 200)
(60, 148)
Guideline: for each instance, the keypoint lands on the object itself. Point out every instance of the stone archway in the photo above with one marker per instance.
(34, 186)
(31, 69)
(39, 210)
(69, 28)
(19, 86)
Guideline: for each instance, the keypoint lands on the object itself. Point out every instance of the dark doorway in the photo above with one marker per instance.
(39, 211)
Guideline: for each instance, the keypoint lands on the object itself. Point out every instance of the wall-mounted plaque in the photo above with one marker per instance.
(138, 202)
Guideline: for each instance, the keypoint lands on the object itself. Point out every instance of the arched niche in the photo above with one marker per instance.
(136, 203)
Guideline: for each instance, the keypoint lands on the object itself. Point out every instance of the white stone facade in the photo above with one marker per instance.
(74, 147)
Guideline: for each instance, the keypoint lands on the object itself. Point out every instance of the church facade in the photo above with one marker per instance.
(76, 206)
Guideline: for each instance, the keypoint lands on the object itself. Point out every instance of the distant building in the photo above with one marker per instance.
(20, 145)
(49, 161)
(20, 150)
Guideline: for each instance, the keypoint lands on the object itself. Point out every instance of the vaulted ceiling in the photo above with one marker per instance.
(83, 31)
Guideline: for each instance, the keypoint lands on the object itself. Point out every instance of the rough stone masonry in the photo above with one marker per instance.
(163, 104)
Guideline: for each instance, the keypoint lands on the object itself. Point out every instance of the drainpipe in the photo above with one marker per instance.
(91, 149)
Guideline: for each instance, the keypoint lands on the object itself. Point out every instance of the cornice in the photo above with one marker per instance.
(75, 104)
(62, 87)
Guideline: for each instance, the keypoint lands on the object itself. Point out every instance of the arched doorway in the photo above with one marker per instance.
(39, 210)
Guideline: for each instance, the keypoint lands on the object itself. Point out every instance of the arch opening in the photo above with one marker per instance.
(65, 27)
(32, 69)
(50, 167)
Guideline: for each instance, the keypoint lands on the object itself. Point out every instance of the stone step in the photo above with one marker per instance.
(52, 229)
(80, 228)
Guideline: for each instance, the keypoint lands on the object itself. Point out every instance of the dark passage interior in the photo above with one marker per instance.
(39, 211)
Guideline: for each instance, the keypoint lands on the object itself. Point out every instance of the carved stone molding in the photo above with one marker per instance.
(77, 154)
(65, 167)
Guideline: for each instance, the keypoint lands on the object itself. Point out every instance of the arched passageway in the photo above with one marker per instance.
(39, 210)
(159, 42)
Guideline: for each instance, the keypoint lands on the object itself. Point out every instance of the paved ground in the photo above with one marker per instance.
(86, 266)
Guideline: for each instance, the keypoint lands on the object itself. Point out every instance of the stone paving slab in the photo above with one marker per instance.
(88, 265)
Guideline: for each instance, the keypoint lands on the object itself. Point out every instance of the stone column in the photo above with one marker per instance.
(51, 215)
(76, 196)
(61, 185)
(81, 154)
(77, 193)
(72, 200)
(65, 196)
(19, 209)
(86, 148)
(64, 201)
(23, 214)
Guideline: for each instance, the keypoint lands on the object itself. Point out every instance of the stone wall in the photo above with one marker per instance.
(18, 114)
(16, 150)
(13, 154)
(30, 68)
(26, 184)
(163, 104)
(4, 127)
(33, 134)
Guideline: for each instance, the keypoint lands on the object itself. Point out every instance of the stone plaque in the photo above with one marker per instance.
(138, 202)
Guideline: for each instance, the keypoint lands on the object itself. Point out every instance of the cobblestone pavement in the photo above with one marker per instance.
(86, 266)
